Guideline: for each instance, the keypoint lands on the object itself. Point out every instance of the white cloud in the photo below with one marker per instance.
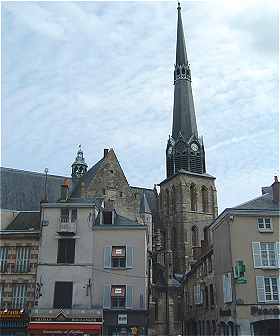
(101, 74)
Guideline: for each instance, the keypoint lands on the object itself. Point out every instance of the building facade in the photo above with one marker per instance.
(246, 262)
(19, 250)
(93, 269)
(200, 311)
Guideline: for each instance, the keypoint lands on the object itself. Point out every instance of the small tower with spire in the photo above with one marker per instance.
(79, 166)
(184, 149)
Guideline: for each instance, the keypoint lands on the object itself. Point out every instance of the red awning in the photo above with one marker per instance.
(63, 326)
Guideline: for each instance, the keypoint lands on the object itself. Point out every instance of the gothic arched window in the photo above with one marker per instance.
(167, 202)
(204, 196)
(194, 236)
(173, 199)
(193, 197)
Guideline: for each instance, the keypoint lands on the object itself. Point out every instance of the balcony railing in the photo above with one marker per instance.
(66, 226)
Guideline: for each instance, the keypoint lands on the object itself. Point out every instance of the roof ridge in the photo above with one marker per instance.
(253, 199)
(32, 172)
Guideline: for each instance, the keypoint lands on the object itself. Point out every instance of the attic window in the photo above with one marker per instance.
(107, 217)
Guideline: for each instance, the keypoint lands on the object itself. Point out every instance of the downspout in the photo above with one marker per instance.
(231, 218)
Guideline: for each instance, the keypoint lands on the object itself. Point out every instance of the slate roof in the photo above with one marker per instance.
(29, 220)
(264, 202)
(86, 178)
(151, 197)
(119, 221)
(144, 205)
(23, 190)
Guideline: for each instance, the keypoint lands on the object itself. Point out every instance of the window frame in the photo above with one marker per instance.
(23, 257)
(258, 255)
(120, 259)
(19, 295)
(262, 220)
(68, 257)
(118, 301)
(56, 298)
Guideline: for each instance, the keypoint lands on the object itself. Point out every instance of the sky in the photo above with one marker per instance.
(100, 74)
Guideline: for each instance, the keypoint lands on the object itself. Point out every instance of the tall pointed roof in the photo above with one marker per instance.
(181, 53)
(184, 121)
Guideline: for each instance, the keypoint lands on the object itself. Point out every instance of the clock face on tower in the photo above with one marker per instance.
(78, 171)
(194, 147)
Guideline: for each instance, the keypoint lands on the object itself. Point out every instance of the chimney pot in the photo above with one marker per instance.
(106, 150)
(275, 190)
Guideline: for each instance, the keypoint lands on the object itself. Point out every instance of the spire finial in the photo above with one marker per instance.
(179, 5)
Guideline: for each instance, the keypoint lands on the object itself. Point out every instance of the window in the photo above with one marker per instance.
(267, 289)
(265, 255)
(63, 292)
(107, 217)
(3, 259)
(64, 215)
(23, 259)
(118, 256)
(1, 294)
(206, 297)
(194, 236)
(204, 196)
(198, 295)
(66, 251)
(19, 296)
(212, 301)
(74, 215)
(118, 297)
(167, 202)
(227, 290)
(264, 224)
(68, 213)
(193, 197)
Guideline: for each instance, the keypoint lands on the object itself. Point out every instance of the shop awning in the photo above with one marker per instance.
(63, 326)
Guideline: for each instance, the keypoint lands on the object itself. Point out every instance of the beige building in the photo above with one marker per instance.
(93, 268)
(19, 250)
(246, 263)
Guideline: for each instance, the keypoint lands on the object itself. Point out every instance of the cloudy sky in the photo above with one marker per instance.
(100, 74)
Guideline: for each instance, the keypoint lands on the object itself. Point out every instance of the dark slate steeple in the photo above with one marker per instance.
(184, 149)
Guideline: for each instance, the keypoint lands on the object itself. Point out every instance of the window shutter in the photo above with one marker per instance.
(106, 297)
(141, 300)
(107, 256)
(128, 297)
(229, 288)
(129, 257)
(256, 254)
(278, 255)
(260, 288)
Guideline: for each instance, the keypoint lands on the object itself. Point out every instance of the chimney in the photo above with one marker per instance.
(106, 150)
(275, 190)
(64, 190)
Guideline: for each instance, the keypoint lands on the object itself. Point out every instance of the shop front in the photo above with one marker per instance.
(125, 322)
(75, 322)
(65, 328)
(13, 322)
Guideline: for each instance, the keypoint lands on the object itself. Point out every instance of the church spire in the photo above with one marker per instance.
(184, 121)
(184, 148)
(181, 53)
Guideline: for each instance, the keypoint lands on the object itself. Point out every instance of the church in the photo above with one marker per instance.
(187, 200)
